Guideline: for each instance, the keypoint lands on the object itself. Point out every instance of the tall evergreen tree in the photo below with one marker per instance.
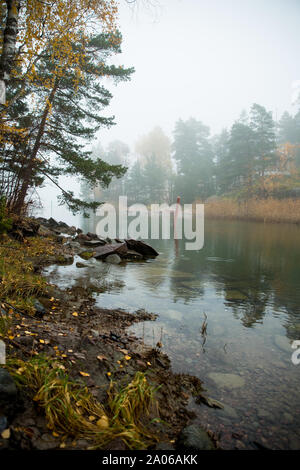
(194, 157)
(264, 142)
(135, 184)
(155, 178)
(289, 129)
(241, 158)
(223, 167)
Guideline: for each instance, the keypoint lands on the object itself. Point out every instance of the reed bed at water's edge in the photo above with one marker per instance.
(264, 210)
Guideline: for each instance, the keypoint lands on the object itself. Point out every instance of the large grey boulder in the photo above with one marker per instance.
(142, 248)
(101, 252)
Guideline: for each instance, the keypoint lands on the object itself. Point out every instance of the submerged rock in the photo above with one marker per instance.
(229, 412)
(194, 438)
(113, 259)
(283, 343)
(227, 380)
(235, 295)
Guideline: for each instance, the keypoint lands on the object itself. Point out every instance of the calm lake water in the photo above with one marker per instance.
(245, 281)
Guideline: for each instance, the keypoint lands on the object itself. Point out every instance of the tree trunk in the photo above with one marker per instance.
(28, 170)
(9, 45)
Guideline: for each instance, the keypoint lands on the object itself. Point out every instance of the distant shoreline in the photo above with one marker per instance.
(256, 210)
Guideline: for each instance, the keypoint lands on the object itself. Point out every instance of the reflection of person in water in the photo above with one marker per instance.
(175, 223)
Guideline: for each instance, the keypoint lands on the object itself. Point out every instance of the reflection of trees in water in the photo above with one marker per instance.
(257, 262)
(252, 265)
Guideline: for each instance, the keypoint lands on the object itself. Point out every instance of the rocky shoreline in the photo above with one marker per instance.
(93, 345)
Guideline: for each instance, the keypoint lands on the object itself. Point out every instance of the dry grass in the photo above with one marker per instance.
(71, 410)
(265, 210)
(18, 283)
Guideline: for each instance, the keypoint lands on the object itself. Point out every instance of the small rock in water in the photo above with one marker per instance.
(80, 265)
(113, 259)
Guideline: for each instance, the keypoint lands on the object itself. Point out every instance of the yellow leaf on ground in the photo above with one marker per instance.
(127, 358)
(101, 358)
(84, 374)
(75, 314)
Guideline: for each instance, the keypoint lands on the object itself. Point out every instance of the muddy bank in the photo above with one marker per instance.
(95, 348)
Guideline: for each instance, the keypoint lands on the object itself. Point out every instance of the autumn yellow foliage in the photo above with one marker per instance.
(54, 25)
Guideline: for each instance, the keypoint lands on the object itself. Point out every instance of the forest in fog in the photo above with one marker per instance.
(256, 157)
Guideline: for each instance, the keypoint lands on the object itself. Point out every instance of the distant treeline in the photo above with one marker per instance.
(255, 158)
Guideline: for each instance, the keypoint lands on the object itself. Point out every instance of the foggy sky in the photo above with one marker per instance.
(208, 59)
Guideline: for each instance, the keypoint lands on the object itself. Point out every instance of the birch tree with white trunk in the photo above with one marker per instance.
(9, 45)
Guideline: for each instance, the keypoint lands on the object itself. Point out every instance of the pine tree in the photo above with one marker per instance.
(194, 157)
(70, 115)
(241, 158)
(223, 167)
(264, 142)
